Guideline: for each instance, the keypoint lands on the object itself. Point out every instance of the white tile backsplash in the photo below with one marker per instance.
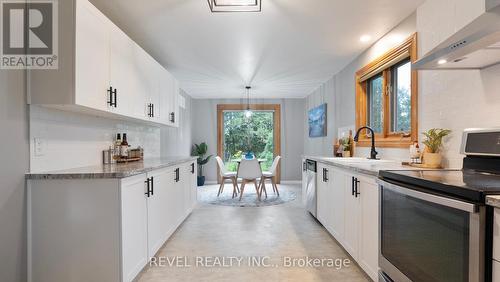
(74, 140)
(454, 99)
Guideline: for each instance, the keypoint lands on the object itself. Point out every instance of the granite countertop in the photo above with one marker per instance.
(493, 201)
(361, 165)
(111, 170)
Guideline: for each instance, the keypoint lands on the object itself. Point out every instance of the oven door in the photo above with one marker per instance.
(424, 237)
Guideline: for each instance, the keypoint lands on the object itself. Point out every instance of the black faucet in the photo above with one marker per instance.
(373, 153)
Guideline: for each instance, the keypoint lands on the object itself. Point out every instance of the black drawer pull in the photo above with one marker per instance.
(356, 193)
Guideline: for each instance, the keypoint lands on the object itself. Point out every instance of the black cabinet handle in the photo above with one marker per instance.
(356, 193)
(177, 176)
(172, 117)
(152, 110)
(116, 99)
(352, 185)
(323, 175)
(149, 109)
(148, 193)
(326, 175)
(192, 168)
(112, 97)
(152, 186)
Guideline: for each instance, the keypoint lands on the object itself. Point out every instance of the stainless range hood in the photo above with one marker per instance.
(476, 46)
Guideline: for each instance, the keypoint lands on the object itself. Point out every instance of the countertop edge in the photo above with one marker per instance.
(106, 175)
(344, 166)
(493, 201)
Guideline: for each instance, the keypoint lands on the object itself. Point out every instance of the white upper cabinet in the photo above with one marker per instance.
(111, 75)
(174, 114)
(122, 77)
(92, 56)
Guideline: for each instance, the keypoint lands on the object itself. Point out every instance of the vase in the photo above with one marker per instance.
(249, 156)
(346, 154)
(201, 180)
(433, 160)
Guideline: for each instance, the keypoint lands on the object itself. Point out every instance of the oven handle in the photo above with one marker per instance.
(452, 203)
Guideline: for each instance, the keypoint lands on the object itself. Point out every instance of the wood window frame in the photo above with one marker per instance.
(276, 108)
(390, 58)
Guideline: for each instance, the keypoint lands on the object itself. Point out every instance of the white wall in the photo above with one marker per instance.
(447, 99)
(15, 162)
(454, 99)
(204, 116)
(77, 140)
(339, 94)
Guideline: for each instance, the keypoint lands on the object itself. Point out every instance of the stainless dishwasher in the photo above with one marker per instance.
(311, 171)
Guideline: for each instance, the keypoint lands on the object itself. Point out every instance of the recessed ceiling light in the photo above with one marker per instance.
(365, 38)
(442, 62)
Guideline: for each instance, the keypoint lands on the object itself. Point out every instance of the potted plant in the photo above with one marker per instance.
(345, 144)
(433, 142)
(200, 150)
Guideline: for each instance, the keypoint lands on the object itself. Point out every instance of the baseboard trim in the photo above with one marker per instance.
(291, 181)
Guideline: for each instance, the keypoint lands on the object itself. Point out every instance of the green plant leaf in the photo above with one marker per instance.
(434, 139)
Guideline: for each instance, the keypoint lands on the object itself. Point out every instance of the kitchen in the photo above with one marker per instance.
(172, 74)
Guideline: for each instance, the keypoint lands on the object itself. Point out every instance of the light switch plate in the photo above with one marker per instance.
(39, 147)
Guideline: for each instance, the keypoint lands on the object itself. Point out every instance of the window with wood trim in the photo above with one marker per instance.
(387, 97)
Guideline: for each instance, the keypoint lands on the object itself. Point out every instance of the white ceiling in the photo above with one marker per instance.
(286, 51)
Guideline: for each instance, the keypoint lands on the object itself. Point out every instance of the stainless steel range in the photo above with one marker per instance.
(434, 224)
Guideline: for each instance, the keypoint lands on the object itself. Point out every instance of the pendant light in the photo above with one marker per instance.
(248, 111)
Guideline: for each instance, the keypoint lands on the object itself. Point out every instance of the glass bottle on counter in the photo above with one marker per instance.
(124, 147)
(117, 146)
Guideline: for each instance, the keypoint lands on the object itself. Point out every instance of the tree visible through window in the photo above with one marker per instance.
(401, 97)
(375, 103)
(242, 134)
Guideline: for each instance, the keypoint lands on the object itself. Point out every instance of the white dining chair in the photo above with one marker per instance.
(226, 175)
(271, 174)
(249, 171)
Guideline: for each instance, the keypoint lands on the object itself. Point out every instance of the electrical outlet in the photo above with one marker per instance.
(39, 147)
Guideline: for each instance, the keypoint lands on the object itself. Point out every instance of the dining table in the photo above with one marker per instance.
(239, 161)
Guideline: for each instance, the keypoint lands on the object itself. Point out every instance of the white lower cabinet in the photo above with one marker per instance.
(322, 195)
(104, 229)
(496, 244)
(496, 270)
(351, 218)
(157, 211)
(337, 204)
(134, 226)
(348, 209)
(368, 226)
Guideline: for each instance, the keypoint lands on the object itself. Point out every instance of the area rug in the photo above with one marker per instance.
(208, 195)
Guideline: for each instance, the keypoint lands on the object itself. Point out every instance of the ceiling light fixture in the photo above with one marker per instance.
(248, 111)
(235, 5)
(365, 38)
(442, 62)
